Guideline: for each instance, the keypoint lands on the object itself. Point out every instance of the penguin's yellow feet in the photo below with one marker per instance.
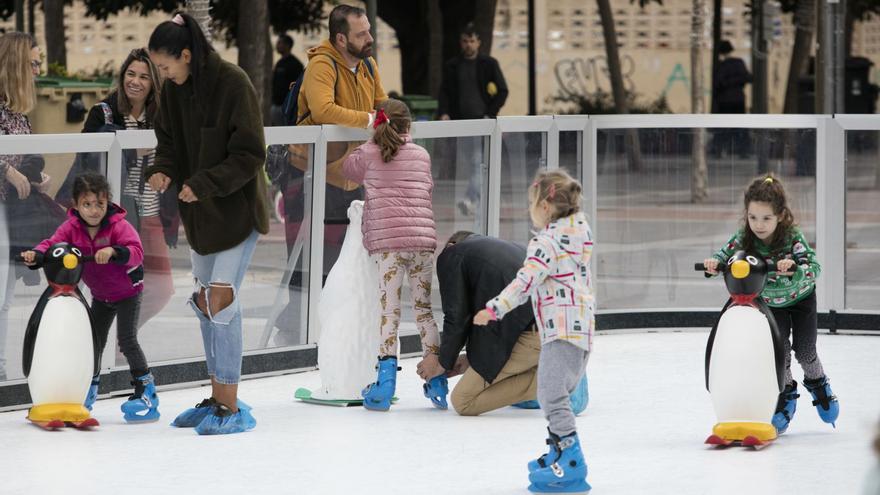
(74, 413)
(756, 433)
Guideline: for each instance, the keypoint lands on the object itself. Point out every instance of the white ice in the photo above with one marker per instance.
(642, 434)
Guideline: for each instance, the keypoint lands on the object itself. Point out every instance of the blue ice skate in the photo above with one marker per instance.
(222, 421)
(581, 396)
(436, 389)
(785, 408)
(143, 405)
(527, 404)
(377, 396)
(824, 399)
(564, 469)
(92, 396)
(194, 415)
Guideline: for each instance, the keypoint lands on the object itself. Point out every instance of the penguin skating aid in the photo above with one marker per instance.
(744, 397)
(59, 352)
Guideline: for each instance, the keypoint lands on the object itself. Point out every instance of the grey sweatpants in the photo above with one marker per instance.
(560, 368)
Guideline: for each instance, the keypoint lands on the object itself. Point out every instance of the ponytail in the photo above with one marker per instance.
(182, 32)
(392, 120)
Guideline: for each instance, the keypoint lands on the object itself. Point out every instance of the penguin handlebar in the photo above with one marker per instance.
(700, 267)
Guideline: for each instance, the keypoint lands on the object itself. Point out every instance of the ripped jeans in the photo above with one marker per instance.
(221, 331)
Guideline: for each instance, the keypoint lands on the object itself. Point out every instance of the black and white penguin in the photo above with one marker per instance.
(745, 357)
(59, 356)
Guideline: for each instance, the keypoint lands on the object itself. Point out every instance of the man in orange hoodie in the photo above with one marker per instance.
(341, 86)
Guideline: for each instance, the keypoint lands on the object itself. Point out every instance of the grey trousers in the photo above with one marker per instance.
(560, 368)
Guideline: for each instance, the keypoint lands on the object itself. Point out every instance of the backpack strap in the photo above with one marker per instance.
(108, 113)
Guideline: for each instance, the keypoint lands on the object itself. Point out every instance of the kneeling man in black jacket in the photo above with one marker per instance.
(501, 361)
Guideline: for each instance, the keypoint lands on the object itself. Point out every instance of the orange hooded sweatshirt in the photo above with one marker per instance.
(336, 95)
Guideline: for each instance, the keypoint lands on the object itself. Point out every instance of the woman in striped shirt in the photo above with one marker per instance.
(133, 105)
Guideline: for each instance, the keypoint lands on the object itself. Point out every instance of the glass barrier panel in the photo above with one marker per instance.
(522, 154)
(654, 223)
(571, 158)
(862, 220)
(28, 220)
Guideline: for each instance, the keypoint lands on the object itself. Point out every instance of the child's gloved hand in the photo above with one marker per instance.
(711, 265)
(29, 257)
(102, 257)
(483, 317)
(783, 267)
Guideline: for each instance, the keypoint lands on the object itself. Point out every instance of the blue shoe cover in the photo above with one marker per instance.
(194, 415)
(580, 397)
(377, 396)
(824, 399)
(527, 404)
(785, 408)
(222, 421)
(143, 405)
(436, 389)
(92, 396)
(565, 470)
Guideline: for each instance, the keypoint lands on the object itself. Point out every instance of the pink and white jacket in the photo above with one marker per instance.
(556, 274)
(123, 276)
(398, 212)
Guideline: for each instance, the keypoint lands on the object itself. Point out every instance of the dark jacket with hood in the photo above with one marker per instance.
(471, 273)
(490, 82)
(210, 138)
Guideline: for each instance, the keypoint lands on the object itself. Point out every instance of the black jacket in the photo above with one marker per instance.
(730, 78)
(487, 71)
(470, 274)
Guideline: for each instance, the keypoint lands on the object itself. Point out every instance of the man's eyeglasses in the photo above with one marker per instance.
(35, 64)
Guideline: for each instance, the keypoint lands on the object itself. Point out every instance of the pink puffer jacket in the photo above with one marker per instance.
(398, 215)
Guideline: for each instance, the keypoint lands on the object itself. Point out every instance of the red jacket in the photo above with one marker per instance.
(121, 278)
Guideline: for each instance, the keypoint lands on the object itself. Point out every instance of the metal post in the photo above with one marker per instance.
(533, 94)
(371, 16)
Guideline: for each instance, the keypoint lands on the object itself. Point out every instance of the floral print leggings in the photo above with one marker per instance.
(419, 266)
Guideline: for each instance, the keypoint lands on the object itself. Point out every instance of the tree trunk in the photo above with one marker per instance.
(31, 8)
(409, 18)
(201, 12)
(435, 69)
(484, 21)
(19, 15)
(717, 18)
(700, 172)
(805, 26)
(850, 24)
(56, 49)
(252, 30)
(621, 106)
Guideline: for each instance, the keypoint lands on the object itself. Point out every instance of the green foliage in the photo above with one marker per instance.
(284, 15)
(602, 103)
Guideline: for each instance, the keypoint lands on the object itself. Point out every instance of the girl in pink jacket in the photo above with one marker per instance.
(398, 227)
(98, 228)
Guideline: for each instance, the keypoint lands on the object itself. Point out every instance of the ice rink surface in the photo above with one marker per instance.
(642, 433)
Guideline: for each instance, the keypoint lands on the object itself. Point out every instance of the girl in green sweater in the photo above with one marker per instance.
(769, 230)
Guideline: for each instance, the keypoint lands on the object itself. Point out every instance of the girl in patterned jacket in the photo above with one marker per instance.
(769, 230)
(556, 275)
(398, 227)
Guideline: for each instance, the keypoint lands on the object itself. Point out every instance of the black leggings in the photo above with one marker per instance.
(799, 321)
(126, 330)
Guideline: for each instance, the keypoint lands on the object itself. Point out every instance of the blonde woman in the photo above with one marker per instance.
(19, 65)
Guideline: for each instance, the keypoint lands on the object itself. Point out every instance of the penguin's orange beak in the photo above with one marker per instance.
(740, 269)
(70, 261)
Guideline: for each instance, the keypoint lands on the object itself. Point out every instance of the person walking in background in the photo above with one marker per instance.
(473, 87)
(729, 97)
(210, 143)
(134, 105)
(19, 65)
(287, 70)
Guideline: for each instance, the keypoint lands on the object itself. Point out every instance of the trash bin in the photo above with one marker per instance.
(860, 94)
(422, 107)
(62, 104)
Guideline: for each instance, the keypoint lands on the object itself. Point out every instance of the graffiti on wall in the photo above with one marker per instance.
(589, 76)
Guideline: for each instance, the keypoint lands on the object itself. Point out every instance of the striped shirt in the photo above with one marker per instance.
(148, 200)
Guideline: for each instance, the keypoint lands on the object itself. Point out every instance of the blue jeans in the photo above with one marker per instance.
(221, 331)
